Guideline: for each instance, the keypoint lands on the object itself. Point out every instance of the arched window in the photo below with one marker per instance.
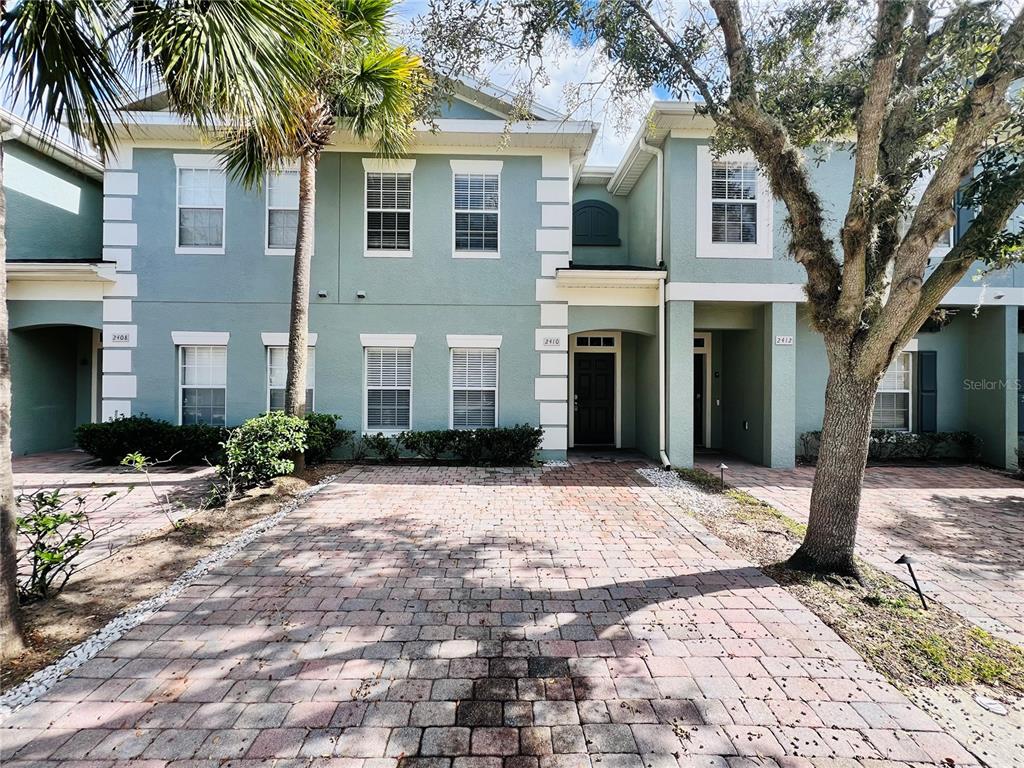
(595, 222)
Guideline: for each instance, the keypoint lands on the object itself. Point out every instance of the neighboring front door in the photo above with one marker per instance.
(594, 398)
(698, 400)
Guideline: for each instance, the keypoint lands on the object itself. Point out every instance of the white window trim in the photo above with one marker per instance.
(200, 338)
(471, 341)
(706, 249)
(451, 379)
(309, 384)
(180, 348)
(198, 163)
(377, 165)
(366, 388)
(267, 249)
(908, 351)
(387, 339)
(492, 167)
(273, 339)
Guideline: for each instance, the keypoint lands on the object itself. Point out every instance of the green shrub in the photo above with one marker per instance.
(260, 449)
(430, 445)
(510, 446)
(323, 436)
(385, 447)
(888, 445)
(110, 441)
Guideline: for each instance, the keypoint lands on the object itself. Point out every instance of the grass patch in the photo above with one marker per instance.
(880, 616)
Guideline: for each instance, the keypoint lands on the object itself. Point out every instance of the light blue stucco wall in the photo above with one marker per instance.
(431, 294)
(53, 212)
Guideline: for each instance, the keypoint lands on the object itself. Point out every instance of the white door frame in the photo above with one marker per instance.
(706, 351)
(615, 350)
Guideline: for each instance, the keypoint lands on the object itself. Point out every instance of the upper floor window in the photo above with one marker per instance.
(200, 204)
(388, 207)
(202, 381)
(734, 212)
(892, 401)
(595, 222)
(282, 211)
(277, 377)
(477, 204)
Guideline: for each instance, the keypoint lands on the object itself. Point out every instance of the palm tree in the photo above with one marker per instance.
(373, 89)
(74, 62)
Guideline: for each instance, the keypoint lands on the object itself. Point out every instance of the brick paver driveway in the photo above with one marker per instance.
(136, 511)
(556, 618)
(963, 525)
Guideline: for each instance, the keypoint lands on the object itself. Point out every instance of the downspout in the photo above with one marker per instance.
(659, 158)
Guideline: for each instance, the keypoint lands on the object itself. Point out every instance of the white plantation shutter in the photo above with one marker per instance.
(474, 388)
(388, 388)
(388, 211)
(277, 377)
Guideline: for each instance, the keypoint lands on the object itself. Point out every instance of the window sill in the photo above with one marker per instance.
(183, 251)
(370, 254)
(476, 255)
(385, 432)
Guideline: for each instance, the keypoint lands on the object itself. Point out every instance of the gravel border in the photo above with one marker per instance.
(683, 491)
(43, 680)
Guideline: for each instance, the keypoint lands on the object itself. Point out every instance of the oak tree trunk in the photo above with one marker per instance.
(828, 545)
(298, 328)
(12, 633)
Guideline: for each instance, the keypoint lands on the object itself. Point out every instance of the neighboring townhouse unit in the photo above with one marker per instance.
(56, 285)
(492, 278)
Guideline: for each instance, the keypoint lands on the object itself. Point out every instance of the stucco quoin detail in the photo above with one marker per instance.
(120, 237)
(554, 246)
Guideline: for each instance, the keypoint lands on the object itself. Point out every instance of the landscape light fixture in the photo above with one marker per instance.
(907, 560)
(721, 473)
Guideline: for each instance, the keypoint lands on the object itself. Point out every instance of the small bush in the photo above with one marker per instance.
(190, 444)
(385, 448)
(260, 449)
(323, 436)
(887, 445)
(430, 445)
(57, 530)
(510, 446)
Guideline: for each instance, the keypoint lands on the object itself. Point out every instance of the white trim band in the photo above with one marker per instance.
(459, 340)
(201, 338)
(476, 166)
(193, 160)
(387, 339)
(271, 339)
(753, 292)
(382, 165)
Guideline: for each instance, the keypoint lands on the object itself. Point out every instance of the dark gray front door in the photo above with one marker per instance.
(594, 405)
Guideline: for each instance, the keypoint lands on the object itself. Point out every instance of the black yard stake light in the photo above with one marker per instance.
(908, 561)
(721, 473)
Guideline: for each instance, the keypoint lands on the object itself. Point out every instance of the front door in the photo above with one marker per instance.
(594, 398)
(698, 399)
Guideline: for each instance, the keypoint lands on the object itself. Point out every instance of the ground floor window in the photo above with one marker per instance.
(388, 389)
(892, 401)
(474, 388)
(203, 384)
(277, 377)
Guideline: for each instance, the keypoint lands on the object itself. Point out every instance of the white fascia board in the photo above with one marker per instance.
(42, 270)
(271, 339)
(202, 338)
(462, 340)
(609, 278)
(387, 339)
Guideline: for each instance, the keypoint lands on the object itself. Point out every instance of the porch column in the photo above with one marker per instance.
(992, 387)
(779, 411)
(679, 384)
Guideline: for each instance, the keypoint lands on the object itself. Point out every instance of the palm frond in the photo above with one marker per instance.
(60, 67)
(362, 21)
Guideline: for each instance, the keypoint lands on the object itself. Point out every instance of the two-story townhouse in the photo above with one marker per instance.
(425, 311)
(56, 285)
(745, 371)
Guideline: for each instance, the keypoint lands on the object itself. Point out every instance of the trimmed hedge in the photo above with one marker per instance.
(886, 445)
(323, 435)
(498, 446)
(111, 441)
(262, 449)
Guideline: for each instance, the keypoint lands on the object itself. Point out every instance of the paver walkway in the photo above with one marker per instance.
(964, 527)
(135, 511)
(463, 618)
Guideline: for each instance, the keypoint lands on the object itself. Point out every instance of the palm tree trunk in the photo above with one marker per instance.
(298, 328)
(12, 633)
(828, 545)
